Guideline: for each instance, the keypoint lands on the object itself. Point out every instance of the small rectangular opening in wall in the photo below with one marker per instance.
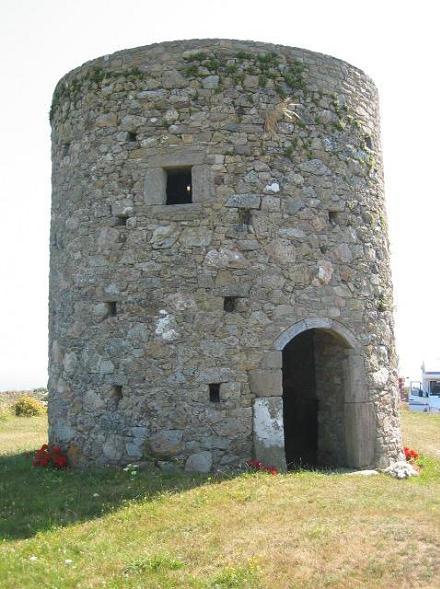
(179, 185)
(112, 310)
(230, 304)
(333, 217)
(116, 393)
(245, 217)
(214, 392)
(121, 221)
(131, 137)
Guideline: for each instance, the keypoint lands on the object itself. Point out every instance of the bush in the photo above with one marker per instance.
(27, 406)
(4, 415)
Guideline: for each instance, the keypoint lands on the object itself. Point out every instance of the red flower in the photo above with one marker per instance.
(410, 454)
(50, 456)
(258, 465)
(59, 461)
(272, 470)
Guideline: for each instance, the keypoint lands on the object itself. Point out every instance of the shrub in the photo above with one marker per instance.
(4, 415)
(27, 406)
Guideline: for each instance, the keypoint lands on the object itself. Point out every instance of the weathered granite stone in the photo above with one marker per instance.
(200, 462)
(315, 166)
(244, 201)
(106, 120)
(268, 431)
(210, 82)
(164, 237)
(166, 443)
(324, 273)
(168, 322)
(225, 258)
(401, 470)
(93, 402)
(123, 208)
(113, 449)
(70, 362)
(266, 383)
(168, 467)
(101, 311)
(196, 237)
(273, 187)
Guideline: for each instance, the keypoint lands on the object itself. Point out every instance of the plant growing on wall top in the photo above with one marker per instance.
(286, 108)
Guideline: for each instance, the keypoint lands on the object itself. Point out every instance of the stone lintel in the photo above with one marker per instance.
(176, 157)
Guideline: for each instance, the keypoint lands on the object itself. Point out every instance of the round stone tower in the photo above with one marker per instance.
(220, 285)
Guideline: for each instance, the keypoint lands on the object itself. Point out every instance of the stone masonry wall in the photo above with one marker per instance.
(288, 217)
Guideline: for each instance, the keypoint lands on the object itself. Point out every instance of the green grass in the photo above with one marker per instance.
(105, 528)
(20, 434)
(421, 431)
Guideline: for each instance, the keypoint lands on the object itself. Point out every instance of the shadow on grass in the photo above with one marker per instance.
(38, 499)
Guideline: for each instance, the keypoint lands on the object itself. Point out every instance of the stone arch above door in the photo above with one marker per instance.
(314, 323)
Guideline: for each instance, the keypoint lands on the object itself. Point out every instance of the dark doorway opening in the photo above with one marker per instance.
(179, 186)
(300, 402)
(317, 415)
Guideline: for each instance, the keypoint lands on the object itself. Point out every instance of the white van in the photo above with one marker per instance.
(425, 395)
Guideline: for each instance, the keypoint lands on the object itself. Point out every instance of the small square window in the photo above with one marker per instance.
(214, 392)
(230, 304)
(179, 186)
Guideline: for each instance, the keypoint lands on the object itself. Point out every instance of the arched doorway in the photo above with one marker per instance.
(312, 405)
(314, 390)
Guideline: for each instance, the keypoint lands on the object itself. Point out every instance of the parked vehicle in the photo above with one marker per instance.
(424, 395)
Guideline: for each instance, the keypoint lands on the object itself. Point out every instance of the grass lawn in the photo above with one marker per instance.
(301, 530)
